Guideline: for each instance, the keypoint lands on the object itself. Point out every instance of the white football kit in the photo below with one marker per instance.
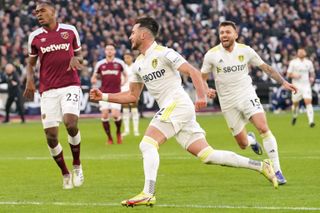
(237, 96)
(157, 69)
(303, 68)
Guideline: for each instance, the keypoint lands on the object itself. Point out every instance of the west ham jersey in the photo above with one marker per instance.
(110, 72)
(55, 48)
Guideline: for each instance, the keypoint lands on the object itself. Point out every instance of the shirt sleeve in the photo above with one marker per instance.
(174, 59)
(207, 66)
(254, 58)
(96, 68)
(135, 77)
(290, 67)
(76, 43)
(32, 49)
(311, 67)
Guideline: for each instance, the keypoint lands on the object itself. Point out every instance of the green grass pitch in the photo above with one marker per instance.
(31, 182)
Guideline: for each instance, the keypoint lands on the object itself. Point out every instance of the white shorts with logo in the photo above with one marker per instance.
(104, 105)
(57, 102)
(238, 116)
(304, 92)
(179, 121)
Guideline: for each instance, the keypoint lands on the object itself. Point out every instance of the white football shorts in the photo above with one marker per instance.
(55, 103)
(104, 105)
(238, 116)
(179, 122)
(303, 93)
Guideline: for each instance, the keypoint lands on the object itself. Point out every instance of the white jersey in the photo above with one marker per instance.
(128, 69)
(157, 69)
(303, 68)
(231, 73)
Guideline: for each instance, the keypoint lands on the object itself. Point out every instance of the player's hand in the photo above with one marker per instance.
(211, 93)
(29, 91)
(95, 95)
(290, 87)
(74, 64)
(200, 103)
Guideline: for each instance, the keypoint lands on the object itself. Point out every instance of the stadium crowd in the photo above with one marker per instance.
(275, 29)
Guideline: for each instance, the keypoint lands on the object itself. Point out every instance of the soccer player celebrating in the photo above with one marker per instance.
(158, 68)
(58, 48)
(110, 70)
(238, 100)
(301, 71)
(128, 59)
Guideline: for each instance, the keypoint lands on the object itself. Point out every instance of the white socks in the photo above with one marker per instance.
(135, 119)
(149, 148)
(271, 147)
(227, 158)
(310, 113)
(126, 119)
(251, 140)
(295, 110)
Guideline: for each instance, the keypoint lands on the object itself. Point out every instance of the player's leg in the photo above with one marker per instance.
(104, 108)
(50, 117)
(236, 123)
(70, 108)
(295, 106)
(156, 134)
(208, 155)
(308, 103)
(135, 119)
(116, 115)
(269, 143)
(126, 119)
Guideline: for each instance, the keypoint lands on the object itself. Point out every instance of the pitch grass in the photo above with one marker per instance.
(31, 182)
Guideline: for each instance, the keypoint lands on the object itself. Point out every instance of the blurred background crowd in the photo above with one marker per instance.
(275, 29)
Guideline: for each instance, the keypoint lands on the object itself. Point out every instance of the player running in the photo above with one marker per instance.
(158, 68)
(239, 102)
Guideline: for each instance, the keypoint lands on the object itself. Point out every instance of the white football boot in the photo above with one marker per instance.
(77, 176)
(67, 181)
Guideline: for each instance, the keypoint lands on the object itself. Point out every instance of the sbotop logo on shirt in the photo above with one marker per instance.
(55, 47)
(153, 75)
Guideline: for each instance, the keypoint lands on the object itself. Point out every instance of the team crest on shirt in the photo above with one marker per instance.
(241, 58)
(64, 35)
(154, 63)
(43, 40)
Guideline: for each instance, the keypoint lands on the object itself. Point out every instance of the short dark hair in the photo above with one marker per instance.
(149, 23)
(228, 23)
(47, 2)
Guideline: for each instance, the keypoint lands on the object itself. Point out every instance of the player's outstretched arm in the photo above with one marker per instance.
(30, 86)
(195, 76)
(277, 77)
(131, 96)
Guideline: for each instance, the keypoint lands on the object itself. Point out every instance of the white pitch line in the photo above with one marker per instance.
(36, 203)
(138, 156)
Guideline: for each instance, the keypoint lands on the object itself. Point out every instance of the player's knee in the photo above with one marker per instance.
(263, 129)
(204, 154)
(243, 146)
(148, 143)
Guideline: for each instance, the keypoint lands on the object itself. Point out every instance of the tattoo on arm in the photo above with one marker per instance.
(272, 73)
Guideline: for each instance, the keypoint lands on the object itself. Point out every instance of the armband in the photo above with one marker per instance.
(105, 96)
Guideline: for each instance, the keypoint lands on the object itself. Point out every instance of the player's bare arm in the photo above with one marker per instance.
(294, 75)
(76, 61)
(131, 96)
(211, 93)
(30, 86)
(195, 76)
(277, 77)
